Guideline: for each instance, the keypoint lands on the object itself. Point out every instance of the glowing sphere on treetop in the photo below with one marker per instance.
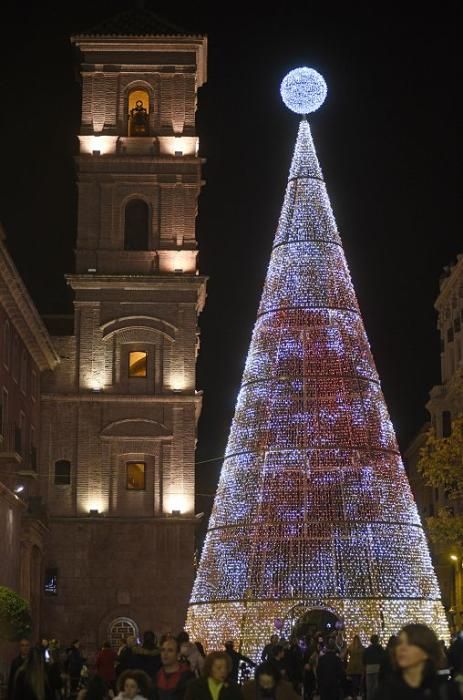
(303, 90)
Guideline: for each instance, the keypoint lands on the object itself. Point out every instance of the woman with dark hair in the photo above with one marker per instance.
(95, 690)
(268, 685)
(133, 685)
(417, 657)
(31, 680)
(213, 684)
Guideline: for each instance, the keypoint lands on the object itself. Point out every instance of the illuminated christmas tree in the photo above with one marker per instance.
(313, 508)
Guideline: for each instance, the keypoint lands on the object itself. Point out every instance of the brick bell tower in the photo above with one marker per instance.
(120, 412)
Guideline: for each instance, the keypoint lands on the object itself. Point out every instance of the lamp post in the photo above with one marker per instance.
(457, 583)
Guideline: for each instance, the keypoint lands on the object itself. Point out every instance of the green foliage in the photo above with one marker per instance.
(15, 617)
(441, 460)
(441, 464)
(446, 528)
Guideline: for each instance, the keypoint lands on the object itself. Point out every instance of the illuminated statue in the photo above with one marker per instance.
(138, 120)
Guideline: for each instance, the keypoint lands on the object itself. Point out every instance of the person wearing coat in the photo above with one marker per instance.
(213, 684)
(330, 673)
(417, 658)
(268, 685)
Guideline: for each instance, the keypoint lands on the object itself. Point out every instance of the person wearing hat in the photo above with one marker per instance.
(418, 658)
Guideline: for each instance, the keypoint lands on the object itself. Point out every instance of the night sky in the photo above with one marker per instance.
(386, 137)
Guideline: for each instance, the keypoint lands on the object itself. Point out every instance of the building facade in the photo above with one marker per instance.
(445, 402)
(26, 351)
(120, 412)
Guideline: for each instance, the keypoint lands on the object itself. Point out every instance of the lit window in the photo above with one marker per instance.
(62, 472)
(136, 476)
(139, 105)
(138, 364)
(50, 584)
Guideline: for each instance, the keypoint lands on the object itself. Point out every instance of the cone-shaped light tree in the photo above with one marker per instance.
(313, 508)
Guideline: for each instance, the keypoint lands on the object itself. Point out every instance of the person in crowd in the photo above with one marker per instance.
(18, 661)
(388, 664)
(105, 665)
(309, 679)
(125, 655)
(190, 653)
(173, 676)
(74, 664)
(455, 659)
(267, 651)
(278, 659)
(373, 657)
(416, 677)
(236, 660)
(214, 683)
(55, 671)
(146, 657)
(31, 680)
(330, 673)
(95, 690)
(267, 685)
(354, 668)
(200, 649)
(294, 662)
(133, 685)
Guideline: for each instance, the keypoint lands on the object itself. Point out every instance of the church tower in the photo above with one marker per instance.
(120, 412)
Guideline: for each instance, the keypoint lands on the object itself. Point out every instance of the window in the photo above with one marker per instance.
(62, 472)
(138, 364)
(456, 325)
(136, 476)
(23, 375)
(34, 384)
(136, 227)
(450, 335)
(6, 344)
(446, 424)
(15, 359)
(20, 438)
(33, 452)
(139, 107)
(50, 585)
(4, 416)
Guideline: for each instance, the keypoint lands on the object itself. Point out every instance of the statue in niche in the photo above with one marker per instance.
(138, 120)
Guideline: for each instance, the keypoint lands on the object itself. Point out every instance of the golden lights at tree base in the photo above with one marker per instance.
(313, 508)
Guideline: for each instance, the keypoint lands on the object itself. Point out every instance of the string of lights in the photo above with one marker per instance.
(313, 508)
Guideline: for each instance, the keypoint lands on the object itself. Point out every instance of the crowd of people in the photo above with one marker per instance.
(414, 665)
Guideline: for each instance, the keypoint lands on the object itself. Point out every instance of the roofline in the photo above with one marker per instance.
(198, 42)
(23, 314)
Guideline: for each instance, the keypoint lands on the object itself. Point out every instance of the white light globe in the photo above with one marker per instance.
(303, 90)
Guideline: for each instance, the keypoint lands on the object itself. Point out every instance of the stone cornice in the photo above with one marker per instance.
(111, 44)
(107, 397)
(11, 497)
(167, 282)
(23, 314)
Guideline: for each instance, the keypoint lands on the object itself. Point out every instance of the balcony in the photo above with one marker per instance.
(29, 464)
(11, 447)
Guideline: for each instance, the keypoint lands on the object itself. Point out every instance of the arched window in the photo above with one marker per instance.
(62, 472)
(120, 629)
(136, 229)
(6, 344)
(139, 107)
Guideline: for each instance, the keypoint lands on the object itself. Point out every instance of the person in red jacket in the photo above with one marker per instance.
(106, 665)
